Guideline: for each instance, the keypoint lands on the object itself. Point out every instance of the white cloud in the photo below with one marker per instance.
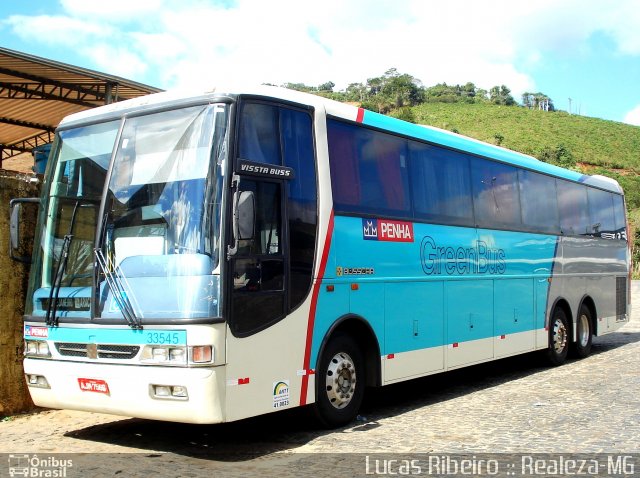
(113, 10)
(116, 60)
(56, 29)
(203, 42)
(633, 116)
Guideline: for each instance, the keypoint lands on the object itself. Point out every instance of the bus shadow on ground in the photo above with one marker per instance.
(290, 429)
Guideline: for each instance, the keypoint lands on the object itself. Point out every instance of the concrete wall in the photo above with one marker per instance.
(14, 396)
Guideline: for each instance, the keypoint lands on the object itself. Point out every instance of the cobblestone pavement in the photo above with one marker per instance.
(508, 406)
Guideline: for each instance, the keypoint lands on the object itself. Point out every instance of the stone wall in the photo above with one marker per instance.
(14, 396)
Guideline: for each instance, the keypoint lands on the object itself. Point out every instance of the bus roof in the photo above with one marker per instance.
(347, 112)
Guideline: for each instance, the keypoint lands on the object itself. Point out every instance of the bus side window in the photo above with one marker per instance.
(440, 184)
(619, 213)
(539, 202)
(302, 209)
(370, 170)
(601, 213)
(259, 138)
(574, 213)
(496, 199)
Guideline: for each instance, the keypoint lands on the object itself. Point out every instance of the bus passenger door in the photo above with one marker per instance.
(270, 265)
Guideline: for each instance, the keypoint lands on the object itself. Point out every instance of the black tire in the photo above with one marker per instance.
(559, 338)
(584, 333)
(340, 382)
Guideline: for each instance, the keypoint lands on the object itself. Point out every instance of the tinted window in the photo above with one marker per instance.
(539, 202)
(267, 232)
(601, 215)
(620, 218)
(441, 185)
(574, 213)
(496, 200)
(297, 139)
(259, 137)
(281, 255)
(369, 170)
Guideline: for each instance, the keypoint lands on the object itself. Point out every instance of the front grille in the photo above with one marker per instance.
(72, 350)
(118, 352)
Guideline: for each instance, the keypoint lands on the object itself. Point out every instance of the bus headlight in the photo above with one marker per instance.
(176, 355)
(38, 381)
(36, 348)
(168, 392)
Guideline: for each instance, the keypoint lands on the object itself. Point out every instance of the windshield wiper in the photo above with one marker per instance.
(52, 306)
(118, 291)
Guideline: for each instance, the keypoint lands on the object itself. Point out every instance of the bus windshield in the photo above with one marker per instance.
(158, 239)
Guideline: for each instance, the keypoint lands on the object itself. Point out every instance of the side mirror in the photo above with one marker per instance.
(15, 236)
(245, 216)
(244, 219)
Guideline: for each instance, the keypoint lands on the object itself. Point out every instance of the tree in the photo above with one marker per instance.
(390, 91)
(469, 90)
(560, 156)
(501, 95)
(328, 86)
(356, 92)
(537, 101)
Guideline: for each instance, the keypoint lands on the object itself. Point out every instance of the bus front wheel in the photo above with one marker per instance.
(558, 337)
(339, 382)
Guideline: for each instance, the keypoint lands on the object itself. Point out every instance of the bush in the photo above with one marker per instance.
(560, 156)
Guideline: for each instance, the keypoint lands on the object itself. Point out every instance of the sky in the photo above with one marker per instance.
(583, 54)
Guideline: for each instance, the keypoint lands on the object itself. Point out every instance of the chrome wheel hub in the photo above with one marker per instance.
(559, 336)
(584, 330)
(340, 380)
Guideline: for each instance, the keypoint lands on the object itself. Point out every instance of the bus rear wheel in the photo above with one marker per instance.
(558, 338)
(584, 333)
(339, 382)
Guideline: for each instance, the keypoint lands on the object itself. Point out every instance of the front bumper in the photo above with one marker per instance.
(129, 390)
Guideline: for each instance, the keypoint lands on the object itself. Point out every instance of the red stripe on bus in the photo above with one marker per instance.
(312, 310)
(360, 117)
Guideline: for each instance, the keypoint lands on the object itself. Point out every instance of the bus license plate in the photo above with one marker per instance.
(93, 385)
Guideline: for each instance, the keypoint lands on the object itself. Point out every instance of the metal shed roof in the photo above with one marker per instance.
(36, 93)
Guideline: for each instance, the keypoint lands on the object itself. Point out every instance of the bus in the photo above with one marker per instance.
(218, 256)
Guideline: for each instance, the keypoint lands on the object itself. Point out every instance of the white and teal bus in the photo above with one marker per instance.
(214, 257)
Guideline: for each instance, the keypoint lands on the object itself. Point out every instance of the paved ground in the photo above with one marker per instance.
(513, 405)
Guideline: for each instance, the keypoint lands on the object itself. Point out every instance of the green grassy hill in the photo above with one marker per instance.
(591, 141)
(588, 145)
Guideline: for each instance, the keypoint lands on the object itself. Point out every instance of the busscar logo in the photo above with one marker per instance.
(387, 230)
(358, 271)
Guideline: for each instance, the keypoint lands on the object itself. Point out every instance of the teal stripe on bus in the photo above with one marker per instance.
(112, 336)
(441, 285)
